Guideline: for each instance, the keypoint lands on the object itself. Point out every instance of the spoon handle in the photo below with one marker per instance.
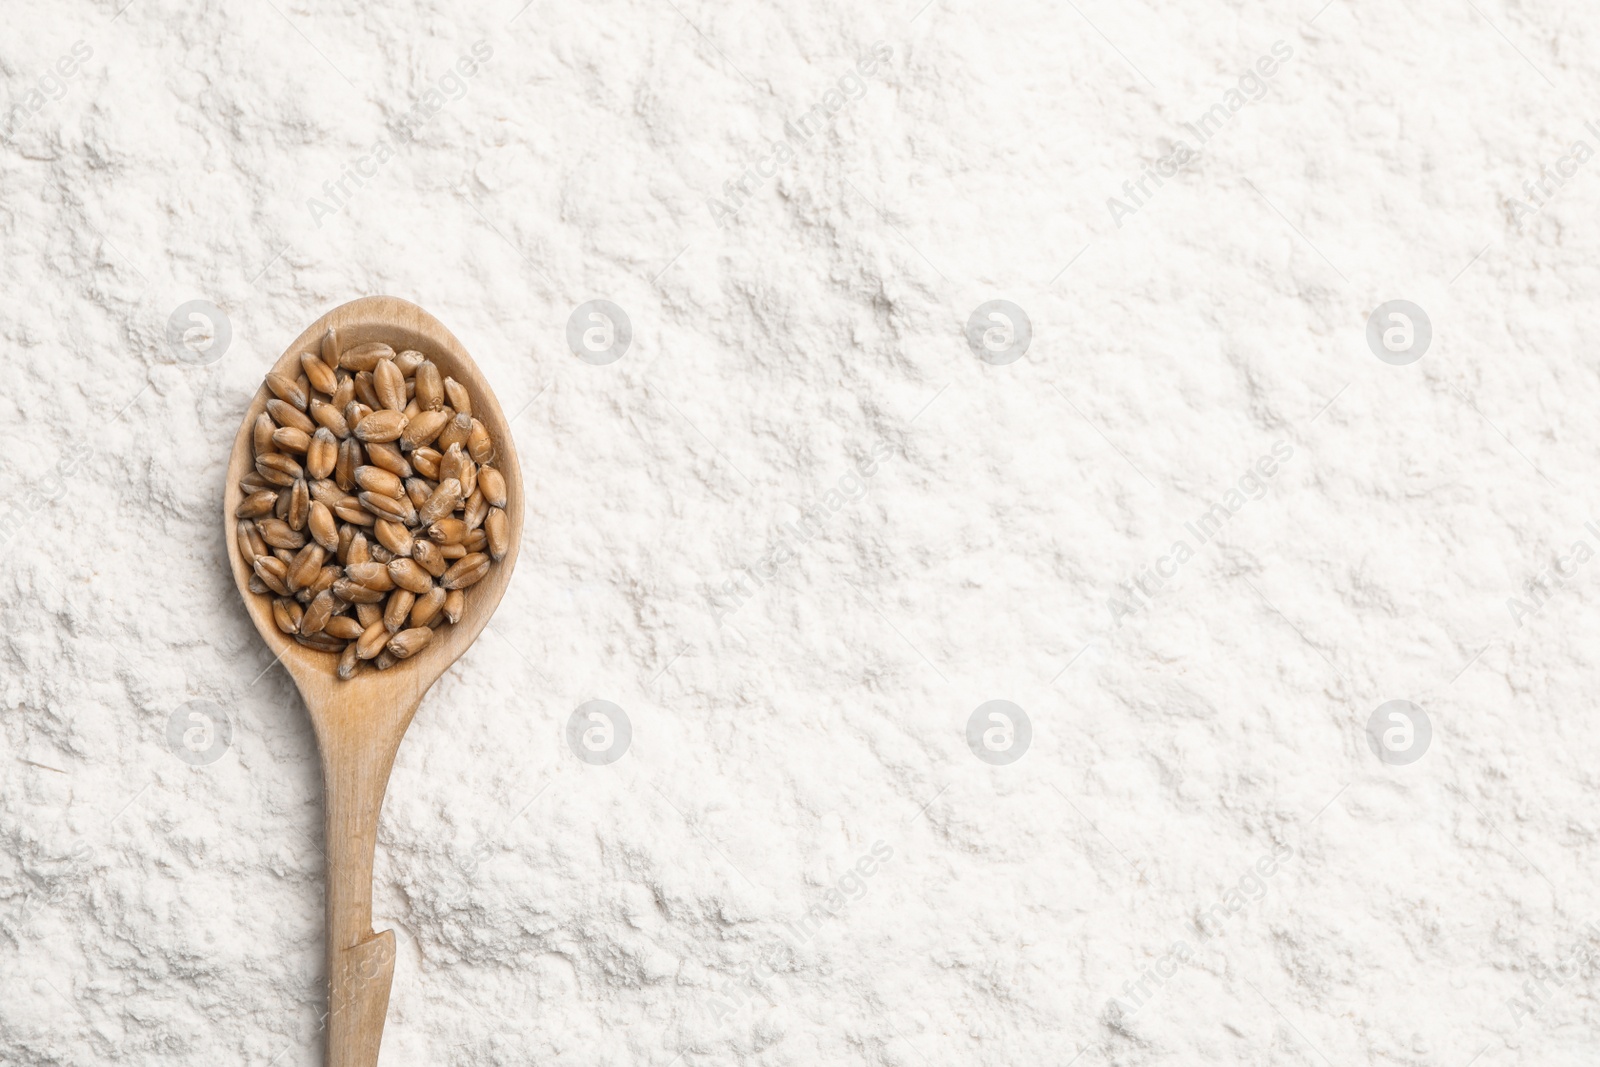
(358, 750)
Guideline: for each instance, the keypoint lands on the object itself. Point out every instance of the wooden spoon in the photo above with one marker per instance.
(359, 723)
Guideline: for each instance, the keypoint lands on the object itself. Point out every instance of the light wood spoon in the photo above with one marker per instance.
(359, 723)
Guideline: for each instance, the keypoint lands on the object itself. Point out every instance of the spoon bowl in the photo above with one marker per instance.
(360, 722)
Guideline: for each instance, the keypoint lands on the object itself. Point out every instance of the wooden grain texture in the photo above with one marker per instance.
(359, 723)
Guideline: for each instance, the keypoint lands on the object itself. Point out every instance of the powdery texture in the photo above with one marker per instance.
(549, 911)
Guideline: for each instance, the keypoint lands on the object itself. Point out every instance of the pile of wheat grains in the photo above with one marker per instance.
(372, 505)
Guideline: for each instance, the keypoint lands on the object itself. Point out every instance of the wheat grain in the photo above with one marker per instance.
(408, 643)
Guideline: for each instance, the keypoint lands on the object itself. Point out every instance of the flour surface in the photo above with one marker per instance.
(999, 462)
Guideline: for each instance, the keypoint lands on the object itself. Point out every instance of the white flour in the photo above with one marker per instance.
(694, 888)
